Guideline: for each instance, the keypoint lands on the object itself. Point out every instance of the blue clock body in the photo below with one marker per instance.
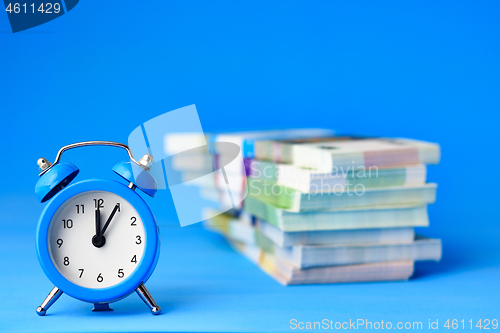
(146, 265)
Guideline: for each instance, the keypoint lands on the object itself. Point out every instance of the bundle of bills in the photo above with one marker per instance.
(313, 207)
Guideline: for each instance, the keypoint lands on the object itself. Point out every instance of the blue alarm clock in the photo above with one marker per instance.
(97, 240)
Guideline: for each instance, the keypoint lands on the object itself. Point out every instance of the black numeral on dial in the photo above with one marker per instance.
(68, 223)
(81, 272)
(66, 261)
(80, 208)
(134, 259)
(100, 278)
(138, 241)
(99, 203)
(133, 219)
(120, 273)
(60, 242)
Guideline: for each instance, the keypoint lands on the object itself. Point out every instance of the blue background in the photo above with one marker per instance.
(425, 69)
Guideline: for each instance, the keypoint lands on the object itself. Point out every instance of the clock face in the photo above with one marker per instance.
(89, 251)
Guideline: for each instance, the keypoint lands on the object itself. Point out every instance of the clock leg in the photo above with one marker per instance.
(101, 307)
(148, 299)
(47, 303)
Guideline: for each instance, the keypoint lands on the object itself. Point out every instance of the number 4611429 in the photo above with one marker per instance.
(47, 8)
(481, 324)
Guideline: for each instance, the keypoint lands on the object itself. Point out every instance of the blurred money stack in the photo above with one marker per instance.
(310, 207)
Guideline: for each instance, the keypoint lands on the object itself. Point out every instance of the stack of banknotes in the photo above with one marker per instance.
(309, 206)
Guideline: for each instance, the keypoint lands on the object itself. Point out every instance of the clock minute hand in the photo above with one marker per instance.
(109, 219)
(97, 222)
(97, 239)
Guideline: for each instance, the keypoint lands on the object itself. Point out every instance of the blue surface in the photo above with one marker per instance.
(141, 273)
(202, 285)
(426, 70)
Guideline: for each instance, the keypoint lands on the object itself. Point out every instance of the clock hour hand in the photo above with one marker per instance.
(109, 219)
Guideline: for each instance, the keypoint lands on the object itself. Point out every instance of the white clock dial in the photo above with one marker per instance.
(82, 261)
